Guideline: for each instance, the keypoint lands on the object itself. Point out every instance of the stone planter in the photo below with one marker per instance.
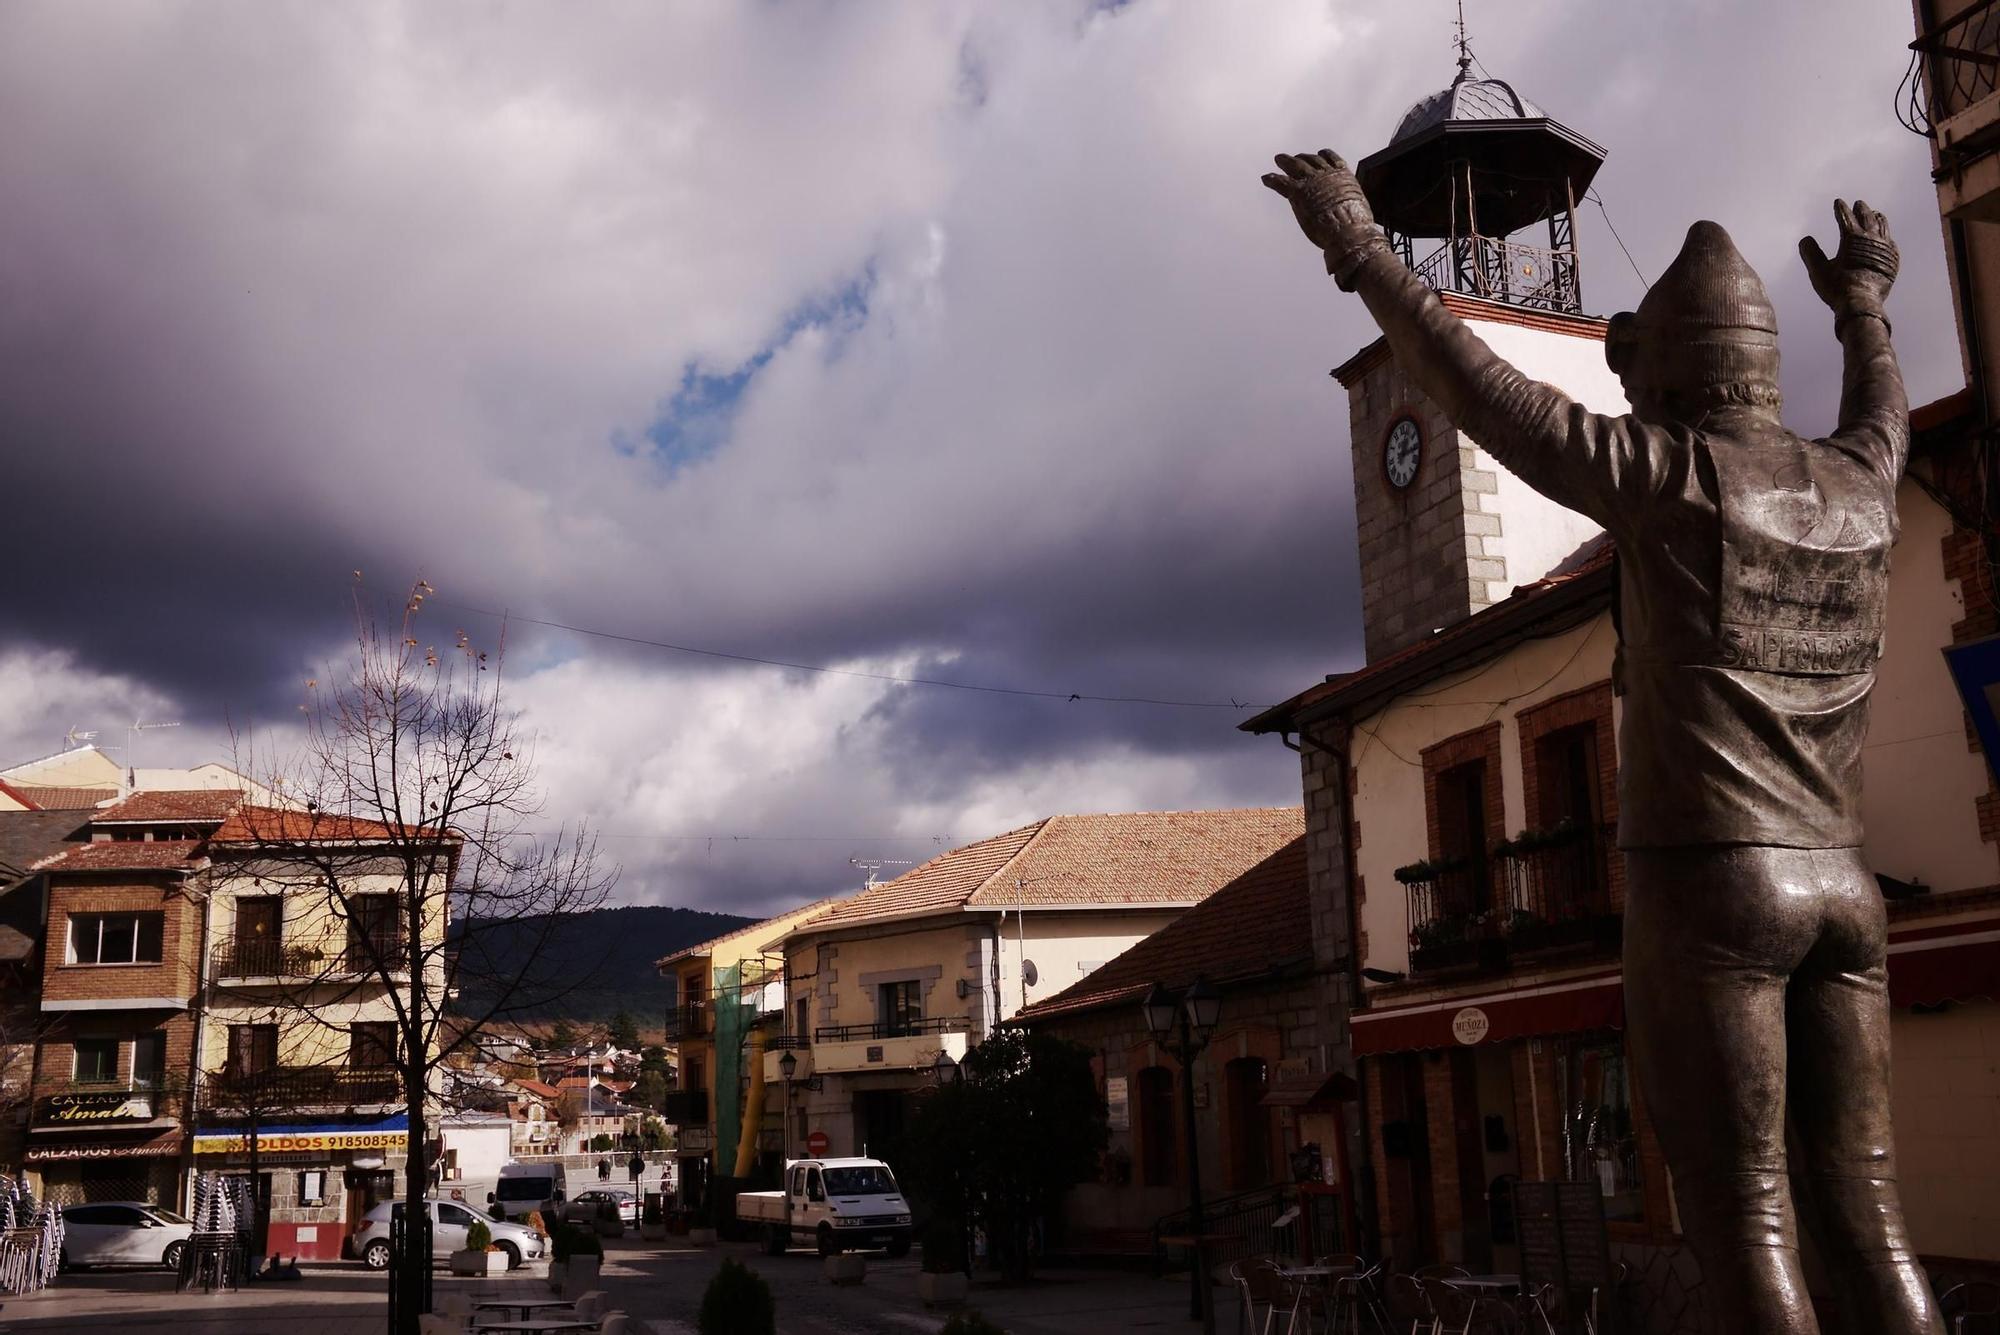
(581, 1276)
(653, 1232)
(945, 1290)
(702, 1237)
(479, 1263)
(556, 1272)
(846, 1268)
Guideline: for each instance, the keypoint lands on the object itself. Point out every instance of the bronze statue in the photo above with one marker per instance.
(1754, 566)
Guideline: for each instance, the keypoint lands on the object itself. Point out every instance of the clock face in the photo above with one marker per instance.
(1402, 451)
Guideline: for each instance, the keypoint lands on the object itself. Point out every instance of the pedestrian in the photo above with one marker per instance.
(604, 1169)
(637, 1166)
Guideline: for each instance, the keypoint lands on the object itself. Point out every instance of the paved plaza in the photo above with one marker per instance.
(659, 1284)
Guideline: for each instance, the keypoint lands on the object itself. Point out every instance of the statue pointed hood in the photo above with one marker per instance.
(1708, 323)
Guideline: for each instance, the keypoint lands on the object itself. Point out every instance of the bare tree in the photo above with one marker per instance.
(409, 823)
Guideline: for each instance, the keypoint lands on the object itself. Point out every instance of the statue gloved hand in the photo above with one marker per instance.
(1331, 209)
(1856, 281)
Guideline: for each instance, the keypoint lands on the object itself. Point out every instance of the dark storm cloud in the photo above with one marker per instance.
(954, 340)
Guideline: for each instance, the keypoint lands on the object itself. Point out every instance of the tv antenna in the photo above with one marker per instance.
(872, 865)
(139, 725)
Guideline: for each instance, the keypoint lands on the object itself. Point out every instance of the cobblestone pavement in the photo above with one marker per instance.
(659, 1284)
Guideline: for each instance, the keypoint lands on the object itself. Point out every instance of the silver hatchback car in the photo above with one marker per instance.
(449, 1224)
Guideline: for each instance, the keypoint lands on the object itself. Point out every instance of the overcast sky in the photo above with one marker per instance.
(947, 340)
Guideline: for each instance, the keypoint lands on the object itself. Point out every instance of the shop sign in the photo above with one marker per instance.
(281, 1142)
(143, 1150)
(699, 1139)
(1117, 1104)
(111, 1105)
(1470, 1025)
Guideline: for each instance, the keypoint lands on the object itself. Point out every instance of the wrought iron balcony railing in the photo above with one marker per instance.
(1952, 67)
(236, 959)
(1559, 887)
(287, 1088)
(930, 1024)
(1450, 916)
(781, 1042)
(1502, 270)
(690, 1022)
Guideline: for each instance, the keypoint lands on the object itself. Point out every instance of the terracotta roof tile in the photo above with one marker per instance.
(126, 855)
(1254, 925)
(191, 804)
(259, 824)
(1155, 857)
(63, 799)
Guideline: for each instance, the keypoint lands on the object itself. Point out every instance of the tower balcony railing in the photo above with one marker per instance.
(1497, 269)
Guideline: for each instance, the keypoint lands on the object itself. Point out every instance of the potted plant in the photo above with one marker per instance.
(737, 1302)
(653, 1218)
(701, 1228)
(942, 1282)
(480, 1256)
(585, 1258)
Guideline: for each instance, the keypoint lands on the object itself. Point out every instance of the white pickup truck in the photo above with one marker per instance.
(834, 1205)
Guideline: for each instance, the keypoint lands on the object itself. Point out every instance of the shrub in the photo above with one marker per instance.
(600, 1142)
(970, 1322)
(533, 1219)
(479, 1238)
(571, 1240)
(738, 1302)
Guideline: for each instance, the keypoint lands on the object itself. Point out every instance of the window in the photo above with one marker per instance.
(372, 1045)
(312, 1187)
(1461, 797)
(1596, 1093)
(1566, 765)
(1158, 1151)
(456, 1214)
(149, 1059)
(96, 1061)
(696, 1075)
(813, 1191)
(802, 1019)
(902, 1007)
(799, 1180)
(116, 938)
(252, 1048)
(865, 1181)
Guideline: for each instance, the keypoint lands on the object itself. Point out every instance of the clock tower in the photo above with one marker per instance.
(1465, 188)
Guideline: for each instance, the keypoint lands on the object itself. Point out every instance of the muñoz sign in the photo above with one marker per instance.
(111, 1105)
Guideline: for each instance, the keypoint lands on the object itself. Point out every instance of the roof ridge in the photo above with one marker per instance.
(1041, 828)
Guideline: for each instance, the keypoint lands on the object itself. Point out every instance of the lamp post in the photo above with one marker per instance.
(788, 1066)
(1182, 1025)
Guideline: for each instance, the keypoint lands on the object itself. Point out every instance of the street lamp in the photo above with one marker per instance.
(943, 1068)
(1182, 1024)
(788, 1066)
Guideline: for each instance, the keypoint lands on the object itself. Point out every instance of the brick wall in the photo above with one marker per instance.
(1442, 1132)
(1586, 705)
(180, 947)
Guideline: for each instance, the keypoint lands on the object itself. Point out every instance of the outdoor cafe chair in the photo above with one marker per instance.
(1971, 1308)
(591, 1305)
(1454, 1307)
(614, 1323)
(1259, 1284)
(1408, 1307)
(1442, 1270)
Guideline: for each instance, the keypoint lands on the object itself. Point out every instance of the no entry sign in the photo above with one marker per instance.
(816, 1144)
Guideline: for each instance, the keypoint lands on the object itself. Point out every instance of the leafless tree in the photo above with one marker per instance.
(410, 814)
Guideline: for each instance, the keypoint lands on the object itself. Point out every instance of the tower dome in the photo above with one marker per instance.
(1471, 165)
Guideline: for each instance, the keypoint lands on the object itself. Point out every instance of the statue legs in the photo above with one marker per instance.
(1756, 984)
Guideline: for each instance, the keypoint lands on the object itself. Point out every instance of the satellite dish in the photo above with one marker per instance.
(1029, 973)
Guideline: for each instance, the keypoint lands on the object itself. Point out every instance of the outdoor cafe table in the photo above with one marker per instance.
(1485, 1283)
(527, 1307)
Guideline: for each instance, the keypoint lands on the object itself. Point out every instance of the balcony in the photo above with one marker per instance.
(262, 960)
(895, 1046)
(685, 1022)
(686, 1107)
(1501, 270)
(1554, 893)
(1951, 94)
(290, 1088)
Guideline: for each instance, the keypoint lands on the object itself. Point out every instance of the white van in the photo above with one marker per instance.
(527, 1187)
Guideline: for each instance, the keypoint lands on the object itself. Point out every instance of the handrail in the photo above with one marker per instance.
(1502, 270)
(932, 1024)
(286, 1087)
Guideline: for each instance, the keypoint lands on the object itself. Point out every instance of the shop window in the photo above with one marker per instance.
(1596, 1091)
(1157, 1149)
(902, 1007)
(371, 1046)
(252, 1048)
(312, 1187)
(116, 938)
(1249, 1149)
(96, 1061)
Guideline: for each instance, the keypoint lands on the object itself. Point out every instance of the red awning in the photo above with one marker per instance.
(1551, 1008)
(1932, 965)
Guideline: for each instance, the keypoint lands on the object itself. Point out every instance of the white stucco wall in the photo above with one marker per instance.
(1066, 946)
(1536, 533)
(1388, 747)
(1920, 778)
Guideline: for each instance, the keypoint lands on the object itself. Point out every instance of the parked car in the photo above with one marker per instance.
(584, 1207)
(449, 1223)
(123, 1233)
